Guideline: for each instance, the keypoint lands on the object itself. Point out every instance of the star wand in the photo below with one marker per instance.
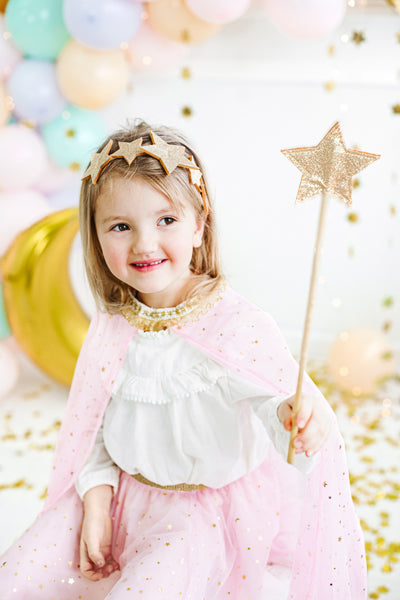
(327, 168)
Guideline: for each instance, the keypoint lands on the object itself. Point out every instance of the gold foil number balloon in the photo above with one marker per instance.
(42, 310)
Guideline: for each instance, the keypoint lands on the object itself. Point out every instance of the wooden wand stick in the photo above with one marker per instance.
(307, 324)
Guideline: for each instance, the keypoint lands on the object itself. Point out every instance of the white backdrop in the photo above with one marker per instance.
(252, 92)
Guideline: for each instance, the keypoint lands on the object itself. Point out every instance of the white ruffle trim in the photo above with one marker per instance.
(166, 388)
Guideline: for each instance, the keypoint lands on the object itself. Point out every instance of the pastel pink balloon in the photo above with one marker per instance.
(9, 369)
(23, 157)
(19, 210)
(9, 53)
(53, 178)
(148, 51)
(306, 19)
(218, 11)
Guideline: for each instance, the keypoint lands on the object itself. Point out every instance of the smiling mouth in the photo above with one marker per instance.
(148, 265)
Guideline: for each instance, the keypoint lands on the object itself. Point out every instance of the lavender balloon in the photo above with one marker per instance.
(34, 89)
(102, 24)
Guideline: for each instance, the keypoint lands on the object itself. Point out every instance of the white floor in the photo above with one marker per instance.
(30, 418)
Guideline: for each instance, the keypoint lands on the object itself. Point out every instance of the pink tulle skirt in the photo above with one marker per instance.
(210, 544)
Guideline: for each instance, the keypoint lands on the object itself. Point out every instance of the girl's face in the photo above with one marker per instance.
(146, 242)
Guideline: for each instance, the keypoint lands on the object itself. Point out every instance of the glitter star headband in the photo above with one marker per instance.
(169, 155)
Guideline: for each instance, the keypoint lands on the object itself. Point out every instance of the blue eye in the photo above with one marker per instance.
(167, 220)
(120, 227)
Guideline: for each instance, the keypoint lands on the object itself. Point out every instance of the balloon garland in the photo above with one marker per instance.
(60, 62)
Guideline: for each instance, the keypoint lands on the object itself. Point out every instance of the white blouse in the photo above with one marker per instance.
(177, 416)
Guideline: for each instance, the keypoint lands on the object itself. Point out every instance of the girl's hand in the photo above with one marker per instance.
(96, 560)
(314, 421)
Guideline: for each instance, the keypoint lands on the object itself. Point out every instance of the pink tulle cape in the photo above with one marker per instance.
(327, 549)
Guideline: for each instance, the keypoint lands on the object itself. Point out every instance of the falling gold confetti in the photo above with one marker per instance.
(392, 210)
(329, 86)
(187, 111)
(186, 73)
(352, 217)
(387, 325)
(387, 302)
(331, 50)
(396, 109)
(358, 37)
(356, 183)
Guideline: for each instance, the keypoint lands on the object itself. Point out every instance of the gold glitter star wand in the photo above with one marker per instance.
(327, 168)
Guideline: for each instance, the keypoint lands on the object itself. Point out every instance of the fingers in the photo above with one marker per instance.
(95, 566)
(313, 436)
(88, 568)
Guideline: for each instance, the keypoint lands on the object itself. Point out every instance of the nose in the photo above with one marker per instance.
(144, 242)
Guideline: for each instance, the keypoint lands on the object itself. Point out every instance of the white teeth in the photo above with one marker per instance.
(156, 262)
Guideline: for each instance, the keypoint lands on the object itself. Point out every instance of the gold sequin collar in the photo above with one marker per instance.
(156, 319)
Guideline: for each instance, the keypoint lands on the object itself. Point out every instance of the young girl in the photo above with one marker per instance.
(170, 477)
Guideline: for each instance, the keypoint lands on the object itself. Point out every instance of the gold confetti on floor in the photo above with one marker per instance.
(371, 431)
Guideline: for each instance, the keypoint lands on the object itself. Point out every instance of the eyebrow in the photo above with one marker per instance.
(166, 209)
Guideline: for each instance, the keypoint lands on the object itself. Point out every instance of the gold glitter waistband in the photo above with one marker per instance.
(181, 487)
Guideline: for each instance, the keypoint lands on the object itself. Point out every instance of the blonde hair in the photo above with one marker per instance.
(109, 292)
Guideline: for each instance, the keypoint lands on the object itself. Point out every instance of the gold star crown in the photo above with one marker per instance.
(169, 155)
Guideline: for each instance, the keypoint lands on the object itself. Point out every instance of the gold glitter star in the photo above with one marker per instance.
(99, 160)
(195, 175)
(396, 109)
(129, 150)
(358, 37)
(169, 155)
(328, 167)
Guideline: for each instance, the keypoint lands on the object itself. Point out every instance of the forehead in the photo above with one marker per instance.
(136, 194)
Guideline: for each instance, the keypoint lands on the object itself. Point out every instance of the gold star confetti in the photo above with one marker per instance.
(387, 302)
(331, 50)
(186, 73)
(392, 210)
(328, 167)
(396, 109)
(128, 150)
(97, 163)
(358, 37)
(329, 86)
(170, 155)
(356, 183)
(186, 111)
(387, 325)
(352, 217)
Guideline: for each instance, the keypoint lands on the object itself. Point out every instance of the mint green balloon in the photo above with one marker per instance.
(37, 27)
(72, 136)
(4, 328)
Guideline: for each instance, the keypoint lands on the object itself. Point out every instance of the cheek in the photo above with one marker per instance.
(112, 255)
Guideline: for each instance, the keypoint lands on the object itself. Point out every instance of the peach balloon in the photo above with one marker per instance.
(91, 78)
(173, 19)
(359, 359)
(4, 106)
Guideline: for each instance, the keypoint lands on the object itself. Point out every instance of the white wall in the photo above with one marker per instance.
(254, 92)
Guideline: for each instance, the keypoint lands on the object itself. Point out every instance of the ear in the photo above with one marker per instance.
(198, 233)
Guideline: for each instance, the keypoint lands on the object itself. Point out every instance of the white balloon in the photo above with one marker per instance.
(19, 210)
(9, 369)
